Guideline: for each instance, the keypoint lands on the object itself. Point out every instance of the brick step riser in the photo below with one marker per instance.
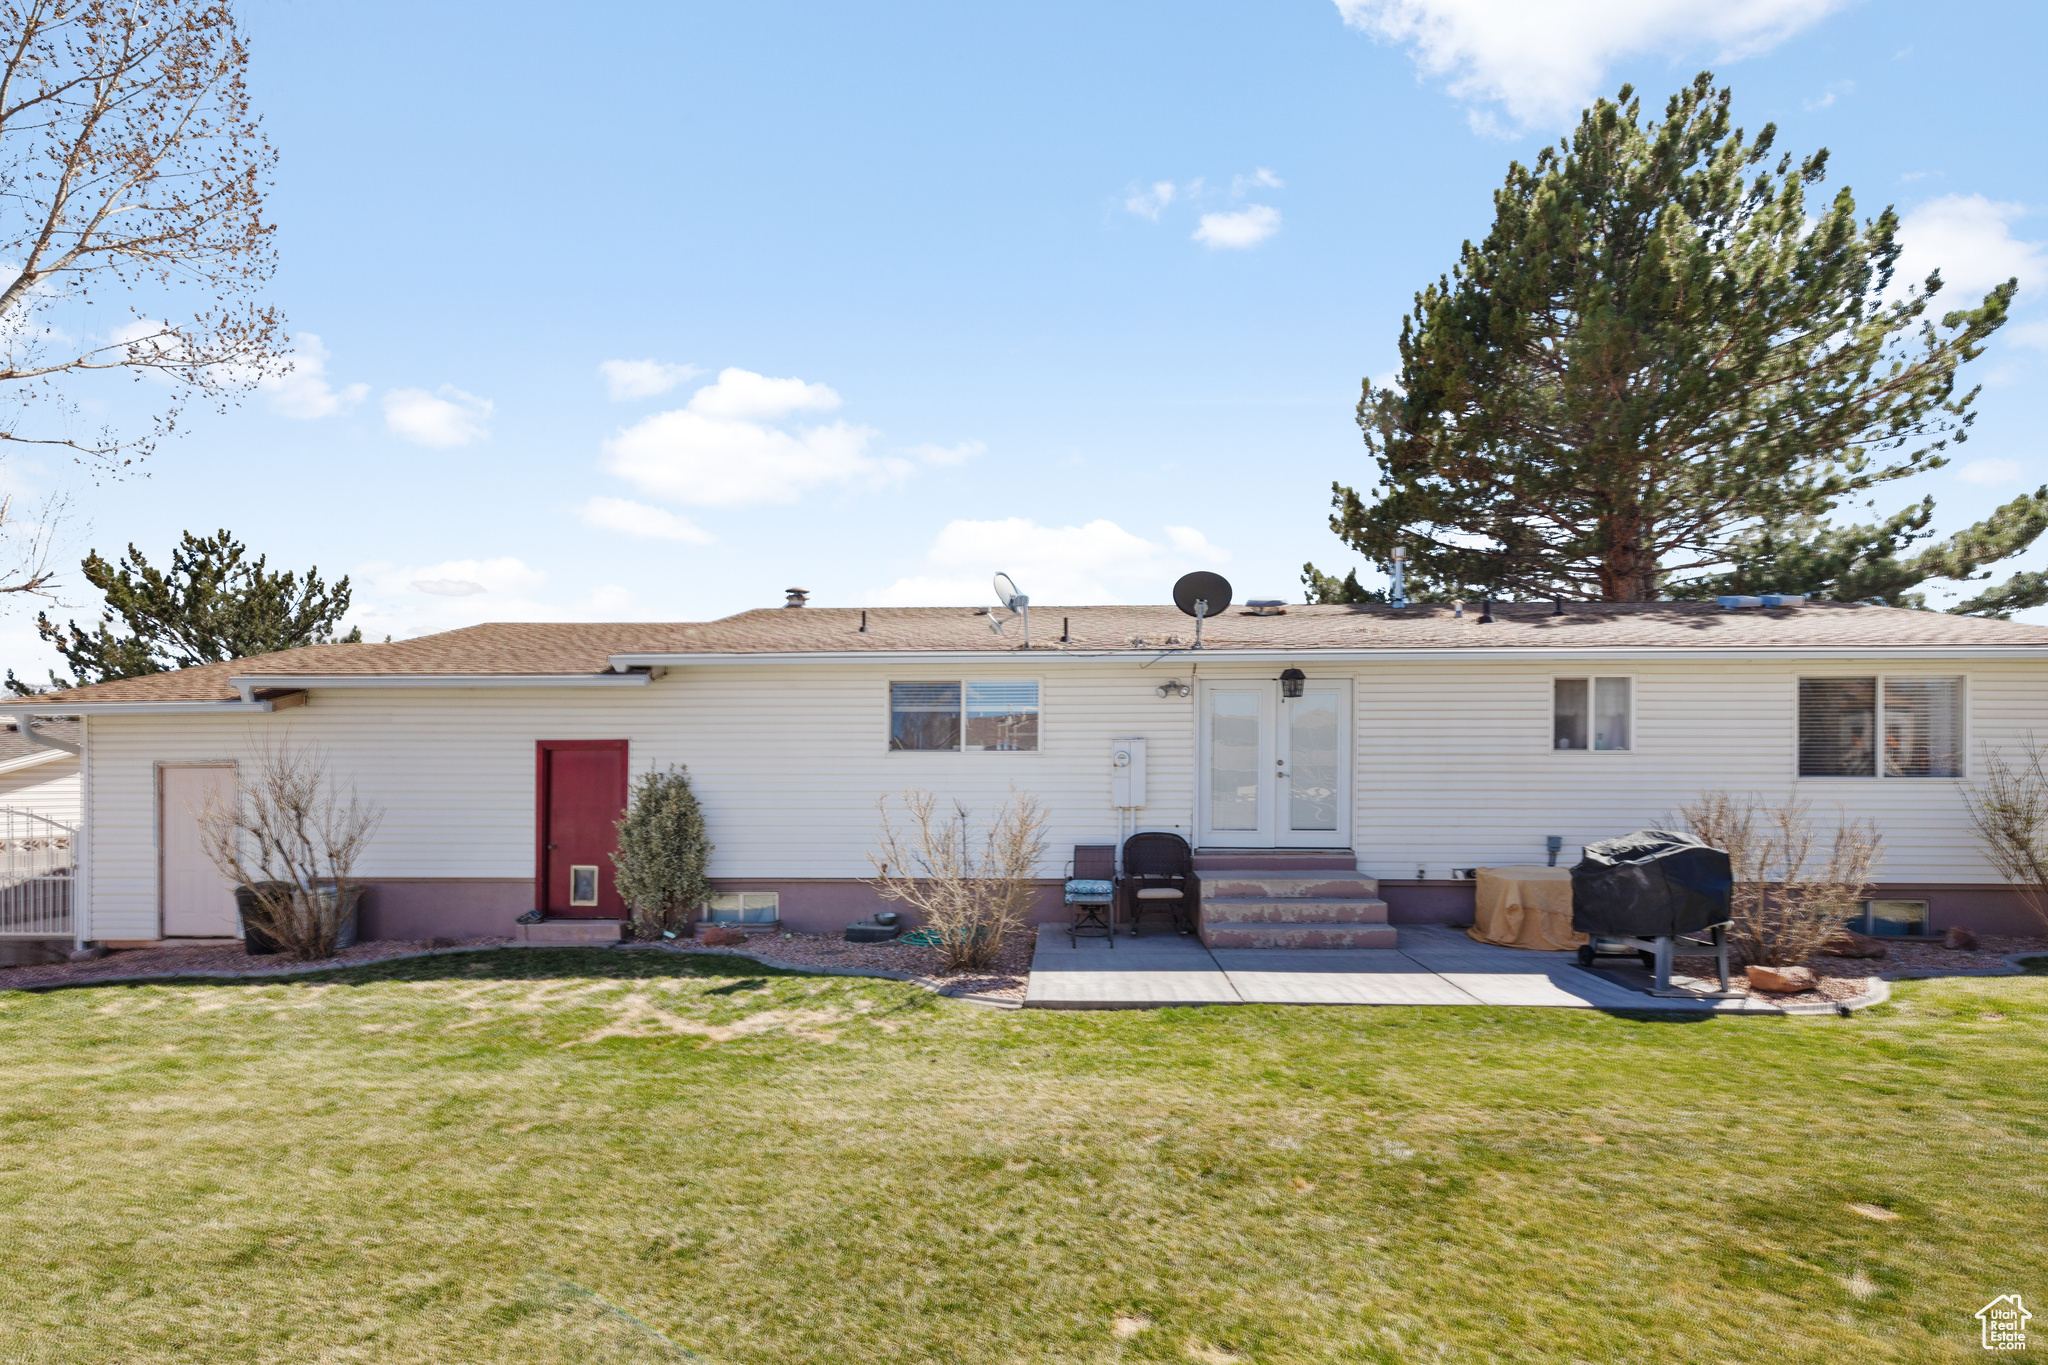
(1280, 863)
(1361, 911)
(1275, 888)
(1312, 936)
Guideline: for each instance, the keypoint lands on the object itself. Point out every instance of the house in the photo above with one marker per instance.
(39, 770)
(1396, 745)
(40, 810)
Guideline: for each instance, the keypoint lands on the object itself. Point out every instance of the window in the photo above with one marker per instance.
(1591, 713)
(1922, 733)
(743, 907)
(975, 716)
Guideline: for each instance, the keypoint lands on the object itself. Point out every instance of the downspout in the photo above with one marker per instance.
(28, 732)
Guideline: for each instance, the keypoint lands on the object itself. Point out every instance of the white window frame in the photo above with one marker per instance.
(888, 712)
(1591, 680)
(1963, 756)
(741, 909)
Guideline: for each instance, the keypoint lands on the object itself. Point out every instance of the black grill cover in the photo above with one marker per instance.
(1650, 883)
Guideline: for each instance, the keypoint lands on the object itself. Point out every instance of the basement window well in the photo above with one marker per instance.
(743, 907)
(1592, 713)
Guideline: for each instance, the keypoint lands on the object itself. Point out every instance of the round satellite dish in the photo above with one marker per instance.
(1006, 589)
(1212, 588)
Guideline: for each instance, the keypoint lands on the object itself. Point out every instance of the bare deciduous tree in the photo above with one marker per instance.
(130, 160)
(2009, 807)
(1784, 907)
(972, 898)
(292, 835)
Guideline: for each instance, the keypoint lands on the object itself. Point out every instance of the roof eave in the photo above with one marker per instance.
(982, 656)
(256, 681)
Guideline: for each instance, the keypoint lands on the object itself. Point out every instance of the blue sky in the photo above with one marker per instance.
(650, 314)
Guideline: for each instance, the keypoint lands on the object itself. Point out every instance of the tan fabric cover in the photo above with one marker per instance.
(1160, 893)
(1525, 907)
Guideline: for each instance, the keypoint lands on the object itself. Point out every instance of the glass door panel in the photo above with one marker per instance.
(1312, 762)
(1235, 726)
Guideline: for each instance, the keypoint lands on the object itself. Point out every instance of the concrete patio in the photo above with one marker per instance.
(1431, 965)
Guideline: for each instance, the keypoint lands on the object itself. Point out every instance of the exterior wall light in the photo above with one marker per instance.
(1291, 681)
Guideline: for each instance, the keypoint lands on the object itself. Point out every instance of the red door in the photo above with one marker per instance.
(581, 796)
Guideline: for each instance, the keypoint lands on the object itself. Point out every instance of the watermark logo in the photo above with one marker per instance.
(2005, 1323)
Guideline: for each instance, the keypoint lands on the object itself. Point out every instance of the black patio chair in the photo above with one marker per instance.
(1091, 892)
(1159, 878)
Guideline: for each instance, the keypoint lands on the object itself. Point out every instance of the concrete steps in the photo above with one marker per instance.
(571, 932)
(1290, 899)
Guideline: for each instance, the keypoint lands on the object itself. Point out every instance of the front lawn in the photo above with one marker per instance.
(592, 1156)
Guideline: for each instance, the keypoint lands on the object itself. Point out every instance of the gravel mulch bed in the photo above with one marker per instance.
(1846, 978)
(1005, 981)
(224, 957)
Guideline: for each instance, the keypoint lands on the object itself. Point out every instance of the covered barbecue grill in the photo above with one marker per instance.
(1655, 895)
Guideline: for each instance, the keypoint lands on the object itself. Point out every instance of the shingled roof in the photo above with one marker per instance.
(546, 650)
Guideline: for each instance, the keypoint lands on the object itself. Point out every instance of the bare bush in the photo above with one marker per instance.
(972, 897)
(292, 836)
(1786, 904)
(2010, 810)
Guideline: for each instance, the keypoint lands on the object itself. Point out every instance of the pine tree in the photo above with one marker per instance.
(1662, 365)
(213, 605)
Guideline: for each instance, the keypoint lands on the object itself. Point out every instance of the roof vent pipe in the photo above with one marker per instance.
(797, 596)
(1486, 615)
(1398, 572)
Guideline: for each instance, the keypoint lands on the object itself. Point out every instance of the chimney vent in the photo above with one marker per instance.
(796, 596)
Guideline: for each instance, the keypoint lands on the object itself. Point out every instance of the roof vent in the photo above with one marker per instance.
(797, 596)
(1737, 603)
(1267, 606)
(1784, 599)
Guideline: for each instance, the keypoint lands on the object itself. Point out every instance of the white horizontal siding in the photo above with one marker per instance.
(1454, 764)
(51, 790)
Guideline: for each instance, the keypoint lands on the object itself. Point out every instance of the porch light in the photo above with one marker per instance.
(1291, 681)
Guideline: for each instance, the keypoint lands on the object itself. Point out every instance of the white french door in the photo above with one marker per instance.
(1273, 771)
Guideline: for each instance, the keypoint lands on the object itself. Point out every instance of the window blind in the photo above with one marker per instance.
(1923, 727)
(1837, 727)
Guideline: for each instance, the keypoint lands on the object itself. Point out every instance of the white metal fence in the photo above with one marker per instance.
(38, 857)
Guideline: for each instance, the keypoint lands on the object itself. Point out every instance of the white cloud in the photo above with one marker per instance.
(405, 600)
(1258, 179)
(742, 395)
(1237, 231)
(306, 392)
(624, 379)
(948, 455)
(1149, 203)
(1990, 471)
(1968, 238)
(1543, 60)
(441, 420)
(640, 521)
(719, 451)
(1056, 565)
(1834, 92)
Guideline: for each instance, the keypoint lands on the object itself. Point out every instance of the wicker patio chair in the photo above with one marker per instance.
(1091, 893)
(1159, 877)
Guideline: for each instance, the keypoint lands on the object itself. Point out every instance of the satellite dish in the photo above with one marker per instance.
(1212, 588)
(1014, 602)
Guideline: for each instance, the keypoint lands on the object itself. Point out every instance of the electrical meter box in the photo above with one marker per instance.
(1126, 773)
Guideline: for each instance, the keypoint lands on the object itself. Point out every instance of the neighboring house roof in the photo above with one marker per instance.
(542, 653)
(19, 752)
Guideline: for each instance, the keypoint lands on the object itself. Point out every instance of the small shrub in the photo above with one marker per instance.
(723, 936)
(1785, 908)
(291, 835)
(663, 854)
(971, 898)
(2009, 807)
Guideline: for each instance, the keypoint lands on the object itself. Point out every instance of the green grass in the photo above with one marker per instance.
(606, 1156)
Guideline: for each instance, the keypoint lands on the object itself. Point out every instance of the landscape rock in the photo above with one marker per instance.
(1781, 980)
(1959, 938)
(1849, 943)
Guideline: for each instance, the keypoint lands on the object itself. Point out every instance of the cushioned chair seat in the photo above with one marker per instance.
(1089, 890)
(1160, 893)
